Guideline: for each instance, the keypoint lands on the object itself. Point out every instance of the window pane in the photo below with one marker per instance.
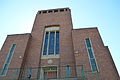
(93, 64)
(51, 43)
(88, 42)
(94, 68)
(10, 53)
(57, 43)
(4, 69)
(8, 60)
(45, 44)
(90, 53)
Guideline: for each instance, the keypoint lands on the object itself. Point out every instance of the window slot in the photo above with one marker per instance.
(44, 11)
(91, 55)
(8, 60)
(55, 10)
(50, 11)
(61, 10)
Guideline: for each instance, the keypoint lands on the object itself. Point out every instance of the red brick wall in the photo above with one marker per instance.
(21, 41)
(104, 60)
(63, 20)
(29, 46)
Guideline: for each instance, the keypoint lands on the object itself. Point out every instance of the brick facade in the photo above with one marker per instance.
(73, 52)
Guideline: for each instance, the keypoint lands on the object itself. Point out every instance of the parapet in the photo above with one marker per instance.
(54, 10)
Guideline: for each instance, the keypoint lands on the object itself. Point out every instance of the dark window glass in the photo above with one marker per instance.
(57, 43)
(88, 43)
(51, 43)
(93, 64)
(93, 61)
(44, 11)
(45, 44)
(90, 53)
(94, 68)
(4, 69)
(55, 10)
(7, 62)
(61, 10)
(50, 11)
(10, 53)
(39, 12)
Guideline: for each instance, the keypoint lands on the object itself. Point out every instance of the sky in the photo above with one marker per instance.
(17, 16)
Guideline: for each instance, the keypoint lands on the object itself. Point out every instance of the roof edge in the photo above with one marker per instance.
(55, 9)
(86, 28)
(19, 34)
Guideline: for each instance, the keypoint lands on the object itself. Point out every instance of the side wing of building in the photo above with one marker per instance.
(90, 51)
(13, 55)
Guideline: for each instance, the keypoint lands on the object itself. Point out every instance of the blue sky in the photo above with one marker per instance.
(17, 16)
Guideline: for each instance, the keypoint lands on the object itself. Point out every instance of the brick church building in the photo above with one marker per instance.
(55, 51)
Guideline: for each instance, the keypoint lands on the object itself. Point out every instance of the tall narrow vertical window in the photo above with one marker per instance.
(8, 60)
(91, 55)
(45, 44)
(51, 41)
(57, 43)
